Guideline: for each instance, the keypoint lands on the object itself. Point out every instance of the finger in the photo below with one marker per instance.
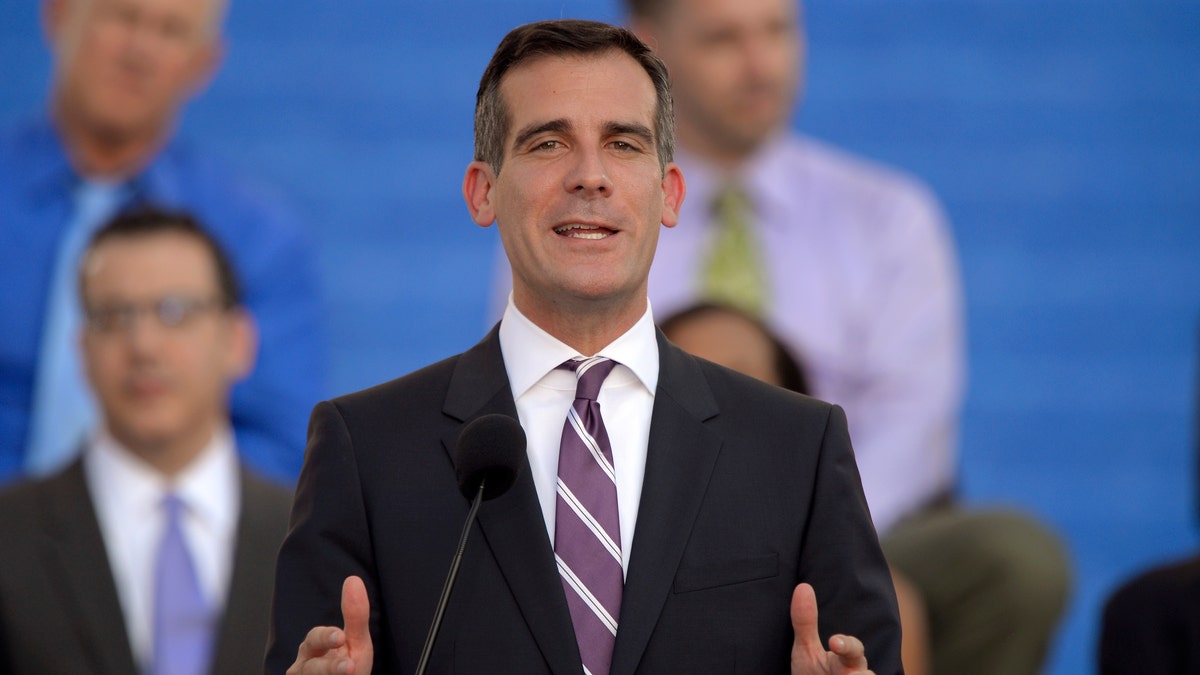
(850, 651)
(356, 613)
(804, 618)
(315, 655)
(320, 641)
(328, 665)
(324, 666)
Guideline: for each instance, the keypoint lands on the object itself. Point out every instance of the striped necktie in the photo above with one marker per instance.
(587, 532)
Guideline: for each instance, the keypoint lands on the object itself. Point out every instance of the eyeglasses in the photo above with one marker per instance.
(173, 311)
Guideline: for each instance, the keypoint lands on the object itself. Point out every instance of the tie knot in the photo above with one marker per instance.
(731, 203)
(589, 375)
(172, 506)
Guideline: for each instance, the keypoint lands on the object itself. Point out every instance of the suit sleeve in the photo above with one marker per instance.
(329, 539)
(841, 557)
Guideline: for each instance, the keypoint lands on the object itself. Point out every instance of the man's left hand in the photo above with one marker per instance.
(846, 654)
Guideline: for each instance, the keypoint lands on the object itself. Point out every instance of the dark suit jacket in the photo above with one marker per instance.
(748, 490)
(59, 609)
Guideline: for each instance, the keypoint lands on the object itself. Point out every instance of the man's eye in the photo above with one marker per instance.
(548, 145)
(625, 147)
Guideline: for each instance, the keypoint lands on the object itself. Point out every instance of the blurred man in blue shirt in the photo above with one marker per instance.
(122, 72)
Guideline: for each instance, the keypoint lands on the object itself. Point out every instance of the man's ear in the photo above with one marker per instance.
(674, 189)
(205, 64)
(243, 344)
(477, 191)
(54, 19)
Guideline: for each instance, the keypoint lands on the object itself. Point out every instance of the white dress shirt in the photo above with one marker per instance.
(544, 393)
(127, 495)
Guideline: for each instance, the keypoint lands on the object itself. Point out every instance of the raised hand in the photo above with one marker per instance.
(328, 650)
(846, 654)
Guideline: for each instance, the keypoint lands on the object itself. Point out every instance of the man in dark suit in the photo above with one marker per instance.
(85, 582)
(718, 502)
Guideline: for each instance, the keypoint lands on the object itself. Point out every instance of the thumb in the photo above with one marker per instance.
(356, 613)
(804, 623)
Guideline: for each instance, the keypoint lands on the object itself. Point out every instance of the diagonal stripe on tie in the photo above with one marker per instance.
(593, 604)
(597, 530)
(593, 447)
(587, 532)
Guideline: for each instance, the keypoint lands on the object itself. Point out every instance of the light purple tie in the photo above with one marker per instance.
(183, 621)
(587, 532)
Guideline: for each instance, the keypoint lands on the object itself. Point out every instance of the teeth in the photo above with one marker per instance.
(578, 231)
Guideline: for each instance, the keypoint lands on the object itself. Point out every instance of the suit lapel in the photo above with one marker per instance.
(680, 460)
(261, 527)
(512, 525)
(77, 556)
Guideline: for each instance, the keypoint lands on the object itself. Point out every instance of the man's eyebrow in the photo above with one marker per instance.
(523, 136)
(639, 131)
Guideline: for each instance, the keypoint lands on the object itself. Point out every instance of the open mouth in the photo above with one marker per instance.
(576, 231)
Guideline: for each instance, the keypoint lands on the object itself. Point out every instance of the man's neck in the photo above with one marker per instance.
(724, 157)
(93, 153)
(168, 457)
(586, 326)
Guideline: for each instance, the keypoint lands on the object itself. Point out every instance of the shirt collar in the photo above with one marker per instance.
(47, 168)
(530, 352)
(208, 486)
(764, 176)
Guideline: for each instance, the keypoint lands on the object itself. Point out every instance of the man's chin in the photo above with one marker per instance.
(115, 125)
(147, 433)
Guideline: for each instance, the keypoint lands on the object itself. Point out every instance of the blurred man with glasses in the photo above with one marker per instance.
(154, 551)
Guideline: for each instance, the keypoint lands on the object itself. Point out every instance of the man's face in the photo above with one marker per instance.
(123, 68)
(161, 386)
(581, 195)
(735, 69)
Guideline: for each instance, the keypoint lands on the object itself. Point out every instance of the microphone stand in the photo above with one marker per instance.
(449, 585)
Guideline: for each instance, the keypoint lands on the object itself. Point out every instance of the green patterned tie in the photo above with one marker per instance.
(733, 272)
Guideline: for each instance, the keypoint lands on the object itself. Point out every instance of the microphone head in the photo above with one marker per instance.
(491, 450)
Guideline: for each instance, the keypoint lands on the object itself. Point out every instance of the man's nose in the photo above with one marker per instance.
(589, 175)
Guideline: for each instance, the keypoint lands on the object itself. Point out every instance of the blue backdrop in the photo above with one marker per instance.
(1062, 135)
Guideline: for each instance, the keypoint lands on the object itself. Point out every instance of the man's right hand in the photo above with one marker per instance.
(328, 650)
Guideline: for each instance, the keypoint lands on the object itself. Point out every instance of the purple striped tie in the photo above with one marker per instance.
(587, 533)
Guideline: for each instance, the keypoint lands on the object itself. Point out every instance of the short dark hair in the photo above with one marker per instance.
(564, 36)
(787, 367)
(147, 220)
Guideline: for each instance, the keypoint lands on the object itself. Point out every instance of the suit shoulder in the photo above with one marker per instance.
(729, 385)
(27, 492)
(17, 502)
(265, 490)
(26, 509)
(403, 403)
(422, 383)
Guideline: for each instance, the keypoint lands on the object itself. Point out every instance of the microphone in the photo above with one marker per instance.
(487, 461)
(489, 455)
